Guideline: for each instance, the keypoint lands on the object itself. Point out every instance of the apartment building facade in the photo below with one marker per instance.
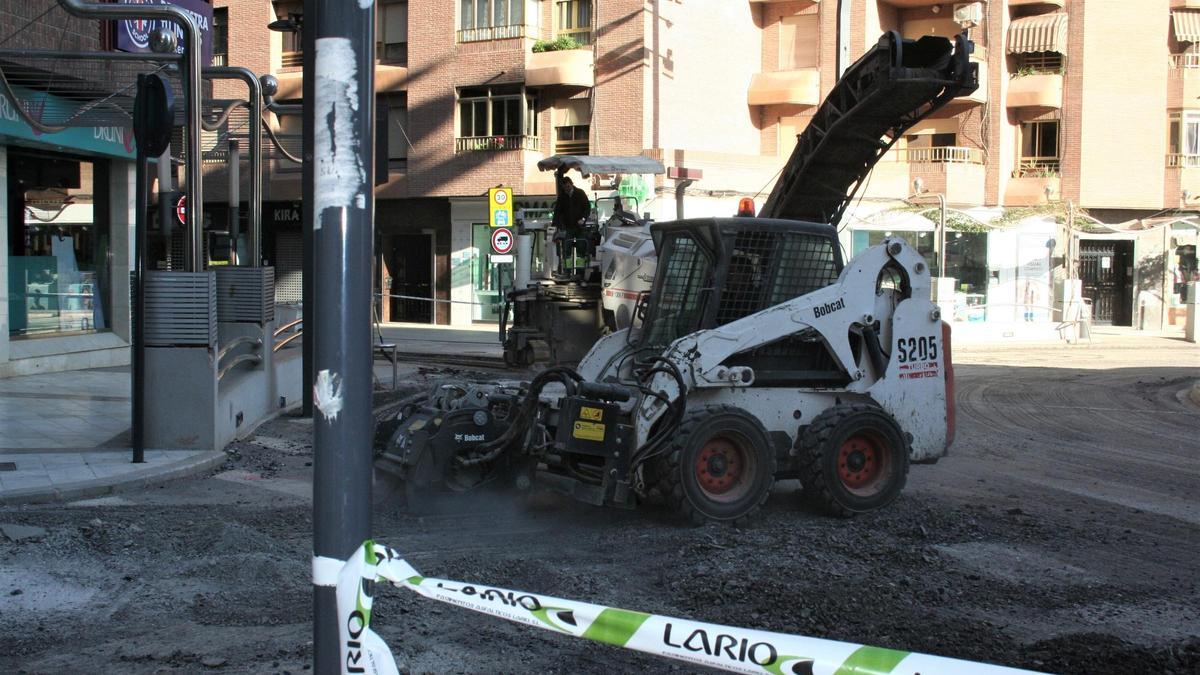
(1077, 155)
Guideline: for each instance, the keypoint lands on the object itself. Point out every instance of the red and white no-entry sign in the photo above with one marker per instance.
(502, 240)
(181, 209)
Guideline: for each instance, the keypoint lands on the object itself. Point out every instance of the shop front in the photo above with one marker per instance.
(66, 210)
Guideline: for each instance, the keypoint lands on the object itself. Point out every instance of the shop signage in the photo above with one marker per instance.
(114, 141)
(502, 240)
(133, 35)
(500, 207)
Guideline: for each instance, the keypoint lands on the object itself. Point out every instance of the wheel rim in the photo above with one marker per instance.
(864, 463)
(724, 469)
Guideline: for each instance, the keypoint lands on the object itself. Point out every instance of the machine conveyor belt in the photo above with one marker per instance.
(883, 94)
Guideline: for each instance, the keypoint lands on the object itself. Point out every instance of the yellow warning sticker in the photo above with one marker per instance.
(593, 414)
(588, 431)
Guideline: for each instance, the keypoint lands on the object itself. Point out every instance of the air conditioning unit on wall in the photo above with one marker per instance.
(968, 14)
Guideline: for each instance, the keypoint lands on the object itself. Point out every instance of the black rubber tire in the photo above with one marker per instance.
(677, 480)
(819, 455)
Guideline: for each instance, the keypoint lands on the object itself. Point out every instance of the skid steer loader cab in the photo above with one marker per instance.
(716, 270)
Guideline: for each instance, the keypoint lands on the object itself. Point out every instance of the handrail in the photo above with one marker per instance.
(288, 326)
(237, 342)
(1181, 160)
(284, 342)
(940, 155)
(237, 361)
(191, 94)
(254, 92)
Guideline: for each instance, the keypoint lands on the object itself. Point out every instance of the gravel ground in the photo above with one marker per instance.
(1063, 534)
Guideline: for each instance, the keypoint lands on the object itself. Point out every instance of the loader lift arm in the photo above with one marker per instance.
(892, 87)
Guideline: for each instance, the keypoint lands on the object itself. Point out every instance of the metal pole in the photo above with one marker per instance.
(307, 299)
(165, 186)
(941, 234)
(190, 66)
(680, 187)
(235, 183)
(137, 370)
(254, 218)
(341, 68)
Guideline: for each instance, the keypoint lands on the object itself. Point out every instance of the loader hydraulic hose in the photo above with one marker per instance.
(650, 448)
(520, 424)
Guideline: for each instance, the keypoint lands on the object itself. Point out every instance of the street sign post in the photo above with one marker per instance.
(500, 208)
(181, 209)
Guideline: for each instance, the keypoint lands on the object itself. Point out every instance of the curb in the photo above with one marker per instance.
(99, 487)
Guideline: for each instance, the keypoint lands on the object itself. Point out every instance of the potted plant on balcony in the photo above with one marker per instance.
(558, 44)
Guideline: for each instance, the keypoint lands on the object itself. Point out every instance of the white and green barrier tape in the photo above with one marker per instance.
(725, 647)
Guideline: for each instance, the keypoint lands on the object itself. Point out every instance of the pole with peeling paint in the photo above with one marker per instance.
(340, 69)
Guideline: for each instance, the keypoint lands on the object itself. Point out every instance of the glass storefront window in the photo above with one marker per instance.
(489, 280)
(966, 255)
(58, 248)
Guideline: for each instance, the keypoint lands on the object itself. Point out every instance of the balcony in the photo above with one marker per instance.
(292, 60)
(1040, 90)
(1184, 85)
(491, 33)
(1035, 181)
(1183, 175)
(786, 87)
(979, 96)
(955, 172)
(566, 67)
(495, 143)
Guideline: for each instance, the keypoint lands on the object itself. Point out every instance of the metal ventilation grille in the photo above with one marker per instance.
(181, 309)
(289, 266)
(768, 268)
(677, 309)
(246, 294)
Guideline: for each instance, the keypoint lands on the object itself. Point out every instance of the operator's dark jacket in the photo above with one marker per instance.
(569, 210)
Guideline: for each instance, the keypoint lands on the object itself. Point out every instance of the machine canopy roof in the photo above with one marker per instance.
(589, 164)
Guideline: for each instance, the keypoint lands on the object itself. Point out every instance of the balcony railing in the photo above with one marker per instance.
(480, 143)
(940, 155)
(292, 59)
(1037, 167)
(1183, 161)
(1181, 61)
(491, 33)
(220, 59)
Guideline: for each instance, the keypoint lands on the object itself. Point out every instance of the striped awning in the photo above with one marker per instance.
(1187, 25)
(1040, 33)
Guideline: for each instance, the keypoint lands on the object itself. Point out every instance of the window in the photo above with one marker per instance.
(1039, 148)
(292, 43)
(574, 19)
(496, 118)
(392, 41)
(58, 254)
(572, 126)
(1040, 63)
(220, 36)
(397, 129)
(491, 19)
(798, 42)
(1184, 141)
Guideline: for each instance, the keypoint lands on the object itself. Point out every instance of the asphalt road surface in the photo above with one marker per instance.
(1062, 534)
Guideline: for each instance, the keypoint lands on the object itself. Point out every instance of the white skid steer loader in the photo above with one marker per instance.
(756, 355)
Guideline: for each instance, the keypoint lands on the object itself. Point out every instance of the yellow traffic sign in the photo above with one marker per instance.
(500, 207)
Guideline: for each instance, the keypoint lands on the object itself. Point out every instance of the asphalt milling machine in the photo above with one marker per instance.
(560, 311)
(757, 355)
